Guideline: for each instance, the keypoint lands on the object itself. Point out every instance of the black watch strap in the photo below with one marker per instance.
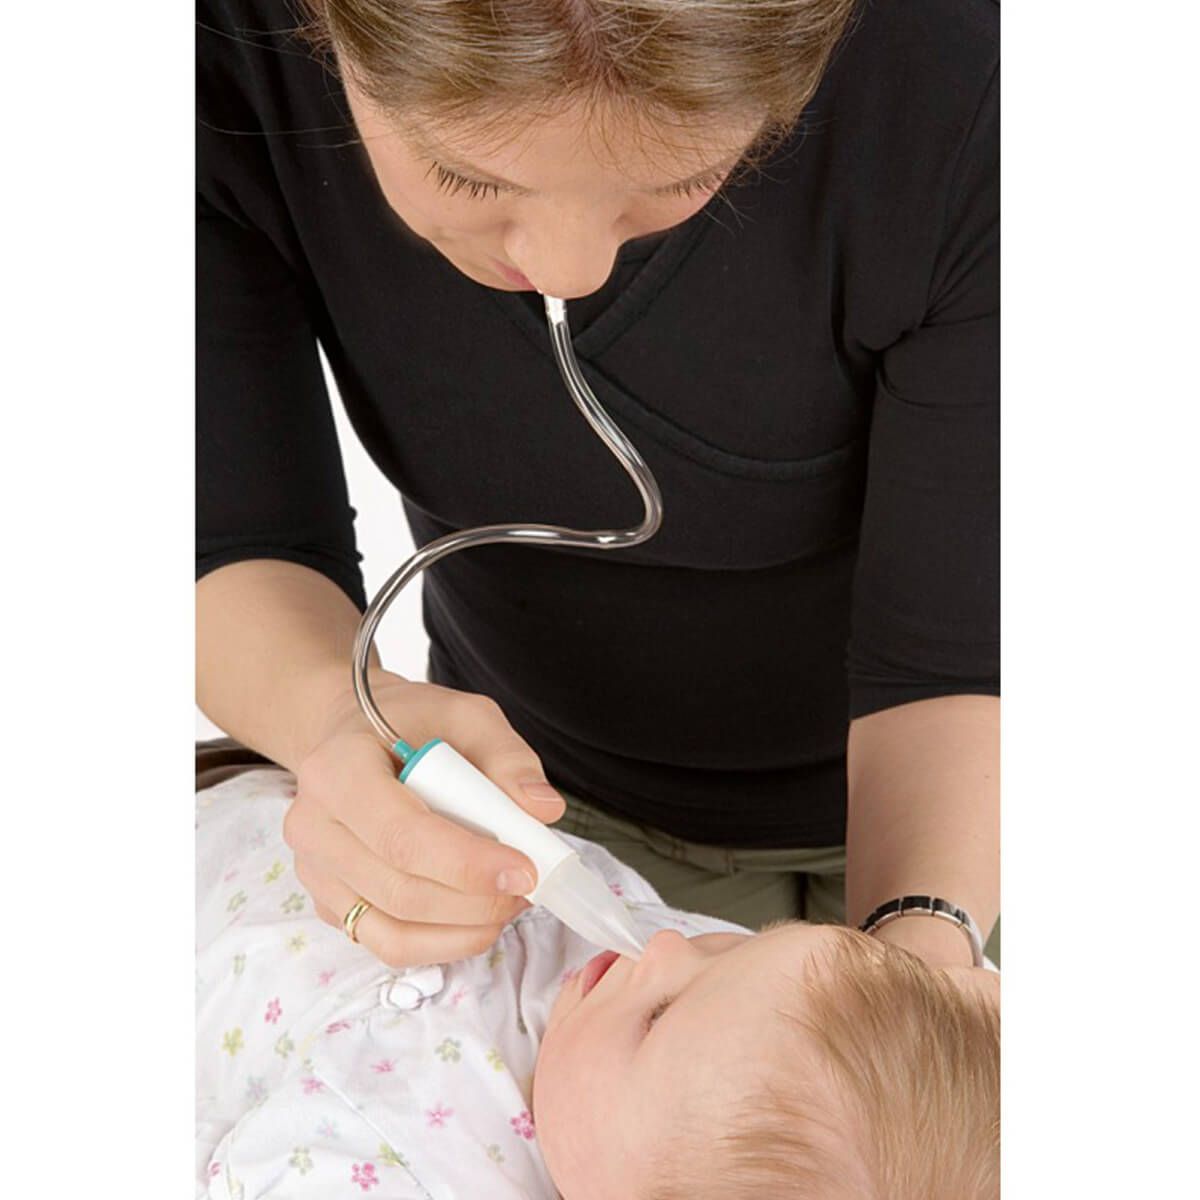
(928, 906)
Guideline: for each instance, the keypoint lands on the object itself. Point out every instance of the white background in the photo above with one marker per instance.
(1101, 452)
(384, 542)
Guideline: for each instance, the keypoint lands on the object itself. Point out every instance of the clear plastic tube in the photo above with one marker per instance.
(544, 536)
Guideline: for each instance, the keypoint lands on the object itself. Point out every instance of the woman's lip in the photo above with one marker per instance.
(594, 969)
(513, 276)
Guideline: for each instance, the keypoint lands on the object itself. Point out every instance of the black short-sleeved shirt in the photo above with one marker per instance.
(813, 382)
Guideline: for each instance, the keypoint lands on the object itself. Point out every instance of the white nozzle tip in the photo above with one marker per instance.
(581, 900)
(556, 309)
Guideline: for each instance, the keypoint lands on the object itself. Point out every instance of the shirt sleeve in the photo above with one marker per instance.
(269, 477)
(925, 614)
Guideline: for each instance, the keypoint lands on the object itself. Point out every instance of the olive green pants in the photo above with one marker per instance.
(749, 887)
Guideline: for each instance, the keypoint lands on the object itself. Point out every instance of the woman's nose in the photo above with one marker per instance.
(564, 259)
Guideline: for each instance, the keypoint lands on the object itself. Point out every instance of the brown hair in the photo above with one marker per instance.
(681, 60)
(907, 1108)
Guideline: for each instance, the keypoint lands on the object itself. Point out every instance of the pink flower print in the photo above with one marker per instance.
(214, 1169)
(337, 1026)
(325, 976)
(458, 995)
(364, 1175)
(229, 875)
(616, 889)
(274, 1008)
(523, 1125)
(311, 1085)
(436, 1117)
(328, 1129)
(385, 1066)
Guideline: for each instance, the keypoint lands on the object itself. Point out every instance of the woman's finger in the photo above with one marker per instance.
(404, 833)
(397, 943)
(478, 729)
(402, 895)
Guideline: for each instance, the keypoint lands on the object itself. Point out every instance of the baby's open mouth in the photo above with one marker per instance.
(594, 970)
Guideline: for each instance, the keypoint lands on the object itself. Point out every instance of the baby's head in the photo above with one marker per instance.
(806, 1061)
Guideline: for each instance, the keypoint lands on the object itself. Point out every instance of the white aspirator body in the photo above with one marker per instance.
(454, 787)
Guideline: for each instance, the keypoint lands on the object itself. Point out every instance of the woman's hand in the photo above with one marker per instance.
(438, 892)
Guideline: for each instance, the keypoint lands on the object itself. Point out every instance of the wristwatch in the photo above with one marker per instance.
(928, 906)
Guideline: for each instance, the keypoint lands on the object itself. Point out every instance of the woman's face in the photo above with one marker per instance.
(675, 1036)
(546, 205)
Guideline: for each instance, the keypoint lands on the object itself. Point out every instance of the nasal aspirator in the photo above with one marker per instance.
(436, 772)
(455, 788)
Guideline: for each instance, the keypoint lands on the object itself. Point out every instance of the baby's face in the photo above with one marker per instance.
(691, 1022)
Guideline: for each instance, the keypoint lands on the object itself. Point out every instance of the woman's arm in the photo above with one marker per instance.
(273, 647)
(924, 818)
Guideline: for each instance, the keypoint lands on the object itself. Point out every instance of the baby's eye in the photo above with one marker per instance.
(658, 1010)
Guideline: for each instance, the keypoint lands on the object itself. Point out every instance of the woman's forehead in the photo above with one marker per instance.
(637, 146)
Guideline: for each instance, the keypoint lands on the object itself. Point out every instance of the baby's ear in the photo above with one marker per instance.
(975, 979)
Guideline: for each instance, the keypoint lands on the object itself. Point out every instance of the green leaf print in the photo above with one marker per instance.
(235, 901)
(493, 1152)
(239, 963)
(390, 1158)
(284, 1045)
(274, 873)
(232, 1042)
(301, 1160)
(496, 957)
(493, 1056)
(450, 1050)
(294, 903)
(297, 944)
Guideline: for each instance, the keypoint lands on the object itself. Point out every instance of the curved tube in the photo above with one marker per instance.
(546, 536)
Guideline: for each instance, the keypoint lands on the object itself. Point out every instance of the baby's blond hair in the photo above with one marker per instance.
(905, 1104)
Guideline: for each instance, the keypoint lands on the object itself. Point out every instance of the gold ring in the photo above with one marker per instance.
(351, 919)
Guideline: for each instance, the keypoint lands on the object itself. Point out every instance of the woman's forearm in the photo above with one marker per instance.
(924, 816)
(273, 647)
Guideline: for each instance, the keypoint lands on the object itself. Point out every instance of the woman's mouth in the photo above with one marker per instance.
(594, 970)
(514, 276)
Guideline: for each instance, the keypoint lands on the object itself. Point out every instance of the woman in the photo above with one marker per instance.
(777, 225)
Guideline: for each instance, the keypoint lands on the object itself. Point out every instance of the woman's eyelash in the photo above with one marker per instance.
(658, 1010)
(706, 183)
(451, 182)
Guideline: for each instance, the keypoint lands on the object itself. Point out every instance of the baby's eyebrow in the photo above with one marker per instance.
(780, 923)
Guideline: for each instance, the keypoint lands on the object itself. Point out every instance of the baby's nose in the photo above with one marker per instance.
(665, 946)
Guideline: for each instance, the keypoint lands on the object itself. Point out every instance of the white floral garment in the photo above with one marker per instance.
(320, 1072)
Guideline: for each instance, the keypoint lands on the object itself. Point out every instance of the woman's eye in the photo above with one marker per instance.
(709, 183)
(451, 182)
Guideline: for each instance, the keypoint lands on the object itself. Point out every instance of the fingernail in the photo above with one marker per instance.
(515, 883)
(541, 791)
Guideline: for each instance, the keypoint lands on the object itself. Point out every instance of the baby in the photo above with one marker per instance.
(803, 1061)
